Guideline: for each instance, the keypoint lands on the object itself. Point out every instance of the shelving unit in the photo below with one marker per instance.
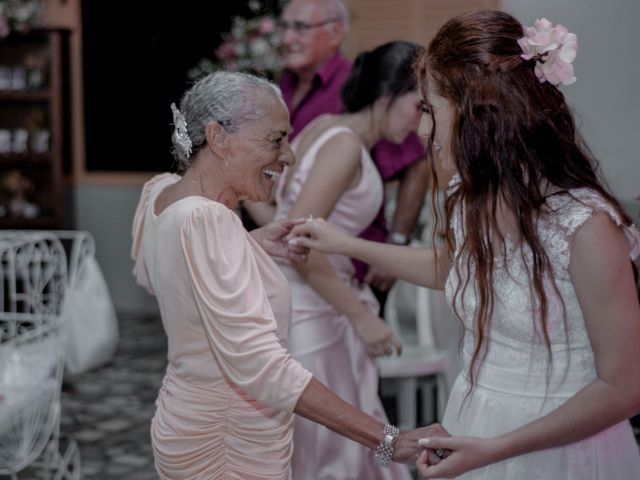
(36, 105)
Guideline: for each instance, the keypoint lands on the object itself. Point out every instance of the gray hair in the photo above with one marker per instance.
(228, 98)
(334, 9)
(337, 9)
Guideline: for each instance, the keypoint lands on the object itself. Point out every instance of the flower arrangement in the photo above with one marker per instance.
(19, 15)
(554, 49)
(251, 46)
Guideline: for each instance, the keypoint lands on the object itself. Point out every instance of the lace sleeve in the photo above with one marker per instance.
(577, 207)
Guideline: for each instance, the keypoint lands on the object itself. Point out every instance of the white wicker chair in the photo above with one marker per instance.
(33, 272)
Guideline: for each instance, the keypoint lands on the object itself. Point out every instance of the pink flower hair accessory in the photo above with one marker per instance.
(554, 49)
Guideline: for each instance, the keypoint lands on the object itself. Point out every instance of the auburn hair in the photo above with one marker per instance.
(513, 140)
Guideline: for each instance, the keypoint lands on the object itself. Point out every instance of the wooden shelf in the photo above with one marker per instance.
(19, 96)
(42, 109)
(18, 159)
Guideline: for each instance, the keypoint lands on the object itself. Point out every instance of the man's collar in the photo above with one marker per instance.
(327, 71)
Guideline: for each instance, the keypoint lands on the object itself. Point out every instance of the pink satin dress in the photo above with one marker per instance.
(324, 341)
(225, 408)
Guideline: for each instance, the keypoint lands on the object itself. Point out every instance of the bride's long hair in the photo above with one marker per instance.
(512, 137)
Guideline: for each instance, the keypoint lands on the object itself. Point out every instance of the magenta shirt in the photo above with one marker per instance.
(324, 97)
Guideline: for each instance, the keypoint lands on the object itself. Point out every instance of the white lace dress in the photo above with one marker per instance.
(512, 388)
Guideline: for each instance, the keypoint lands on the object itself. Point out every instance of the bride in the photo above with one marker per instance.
(536, 265)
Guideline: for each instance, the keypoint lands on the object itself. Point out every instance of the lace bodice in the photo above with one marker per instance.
(517, 357)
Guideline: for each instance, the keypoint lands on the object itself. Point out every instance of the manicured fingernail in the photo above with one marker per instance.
(423, 442)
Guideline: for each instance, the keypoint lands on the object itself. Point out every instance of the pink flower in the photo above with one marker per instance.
(251, 45)
(554, 49)
(555, 71)
(4, 27)
(226, 51)
(528, 51)
(569, 48)
(267, 25)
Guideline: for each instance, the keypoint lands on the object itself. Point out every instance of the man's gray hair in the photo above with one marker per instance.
(229, 98)
(338, 9)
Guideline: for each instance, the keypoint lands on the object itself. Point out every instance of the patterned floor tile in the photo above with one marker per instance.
(108, 411)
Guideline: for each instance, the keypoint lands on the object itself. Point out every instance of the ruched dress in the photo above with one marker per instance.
(515, 385)
(324, 341)
(225, 408)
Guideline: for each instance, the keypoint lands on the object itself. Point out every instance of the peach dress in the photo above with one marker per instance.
(325, 342)
(225, 408)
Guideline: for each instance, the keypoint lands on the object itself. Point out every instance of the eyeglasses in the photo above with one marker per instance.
(302, 28)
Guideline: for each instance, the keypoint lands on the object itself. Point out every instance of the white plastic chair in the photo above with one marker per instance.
(33, 272)
(421, 366)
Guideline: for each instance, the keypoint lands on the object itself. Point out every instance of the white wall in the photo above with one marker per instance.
(606, 98)
(106, 211)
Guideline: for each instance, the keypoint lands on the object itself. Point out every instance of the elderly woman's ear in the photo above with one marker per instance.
(217, 138)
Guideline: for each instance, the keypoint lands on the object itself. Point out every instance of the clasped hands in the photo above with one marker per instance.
(274, 239)
(278, 238)
(439, 455)
(421, 446)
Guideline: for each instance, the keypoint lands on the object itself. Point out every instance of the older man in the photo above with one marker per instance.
(312, 32)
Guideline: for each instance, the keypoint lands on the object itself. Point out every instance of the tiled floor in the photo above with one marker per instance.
(108, 411)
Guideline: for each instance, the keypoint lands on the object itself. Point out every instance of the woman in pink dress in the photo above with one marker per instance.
(336, 332)
(225, 408)
(537, 265)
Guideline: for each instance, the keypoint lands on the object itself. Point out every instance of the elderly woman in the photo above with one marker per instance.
(225, 408)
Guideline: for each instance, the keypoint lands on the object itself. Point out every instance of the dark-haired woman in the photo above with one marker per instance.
(537, 264)
(335, 328)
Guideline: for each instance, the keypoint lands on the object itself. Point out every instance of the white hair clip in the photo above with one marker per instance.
(181, 135)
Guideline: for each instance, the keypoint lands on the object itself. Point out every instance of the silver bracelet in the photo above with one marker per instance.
(387, 445)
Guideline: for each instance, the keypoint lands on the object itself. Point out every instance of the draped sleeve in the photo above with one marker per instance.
(235, 310)
(140, 271)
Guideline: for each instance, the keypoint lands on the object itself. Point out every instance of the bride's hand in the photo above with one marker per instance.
(463, 454)
(320, 235)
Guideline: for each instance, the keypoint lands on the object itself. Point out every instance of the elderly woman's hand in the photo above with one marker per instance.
(273, 239)
(408, 447)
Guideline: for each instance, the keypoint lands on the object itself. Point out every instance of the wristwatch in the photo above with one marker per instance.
(387, 445)
(398, 238)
